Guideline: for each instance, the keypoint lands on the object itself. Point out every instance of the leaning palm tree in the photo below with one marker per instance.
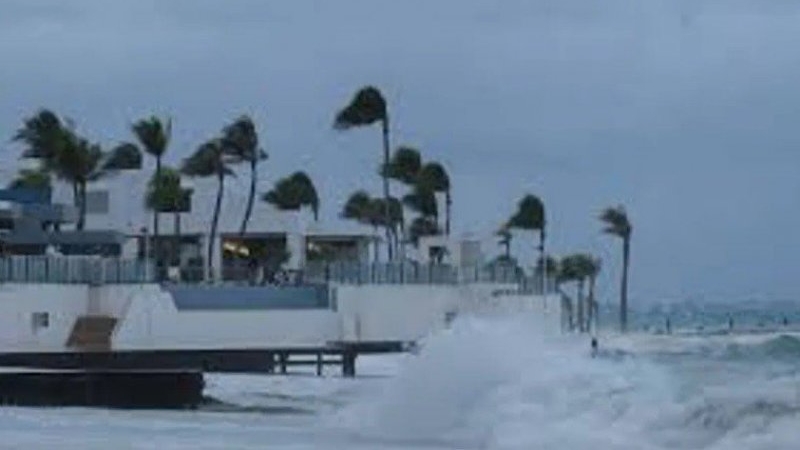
(356, 207)
(32, 179)
(404, 167)
(293, 193)
(548, 265)
(43, 136)
(616, 223)
(423, 201)
(505, 236)
(165, 194)
(593, 270)
(307, 192)
(583, 268)
(209, 161)
(80, 162)
(530, 215)
(569, 272)
(153, 136)
(422, 226)
(366, 108)
(71, 158)
(241, 141)
(434, 177)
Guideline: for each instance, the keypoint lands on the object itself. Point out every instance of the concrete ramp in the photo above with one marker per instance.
(92, 333)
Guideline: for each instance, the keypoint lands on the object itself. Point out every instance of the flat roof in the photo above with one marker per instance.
(91, 237)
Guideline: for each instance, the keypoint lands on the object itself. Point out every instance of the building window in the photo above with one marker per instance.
(97, 202)
(40, 320)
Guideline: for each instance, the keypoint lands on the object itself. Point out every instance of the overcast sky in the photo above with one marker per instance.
(687, 112)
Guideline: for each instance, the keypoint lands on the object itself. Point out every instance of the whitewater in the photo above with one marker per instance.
(484, 383)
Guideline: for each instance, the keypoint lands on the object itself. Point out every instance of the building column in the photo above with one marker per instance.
(216, 258)
(296, 246)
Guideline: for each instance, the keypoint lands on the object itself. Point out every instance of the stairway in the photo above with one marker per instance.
(92, 333)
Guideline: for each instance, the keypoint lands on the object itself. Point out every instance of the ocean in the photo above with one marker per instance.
(493, 383)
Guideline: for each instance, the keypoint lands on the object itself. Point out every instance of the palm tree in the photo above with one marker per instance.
(569, 272)
(153, 135)
(616, 223)
(241, 141)
(548, 265)
(80, 162)
(209, 161)
(70, 157)
(43, 136)
(422, 226)
(366, 108)
(31, 179)
(165, 194)
(294, 192)
(404, 166)
(433, 176)
(593, 267)
(423, 201)
(357, 207)
(505, 237)
(583, 268)
(530, 215)
(395, 208)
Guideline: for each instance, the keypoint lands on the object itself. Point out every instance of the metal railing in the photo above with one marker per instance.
(414, 273)
(371, 273)
(380, 273)
(73, 270)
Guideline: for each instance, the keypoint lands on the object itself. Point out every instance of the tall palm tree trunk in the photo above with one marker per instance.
(448, 203)
(155, 210)
(386, 213)
(82, 219)
(76, 200)
(544, 261)
(213, 234)
(623, 301)
(249, 210)
(156, 241)
(375, 245)
(581, 309)
(177, 232)
(592, 320)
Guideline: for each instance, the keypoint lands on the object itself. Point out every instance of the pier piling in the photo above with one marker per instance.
(349, 363)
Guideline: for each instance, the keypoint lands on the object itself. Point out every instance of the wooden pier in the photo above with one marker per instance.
(276, 360)
(151, 389)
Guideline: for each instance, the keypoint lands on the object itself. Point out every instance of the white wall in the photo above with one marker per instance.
(149, 319)
(393, 312)
(409, 312)
(113, 299)
(153, 322)
(18, 302)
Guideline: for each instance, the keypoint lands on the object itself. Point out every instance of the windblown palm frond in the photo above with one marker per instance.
(365, 108)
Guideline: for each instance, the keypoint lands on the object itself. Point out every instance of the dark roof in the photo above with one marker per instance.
(26, 195)
(91, 237)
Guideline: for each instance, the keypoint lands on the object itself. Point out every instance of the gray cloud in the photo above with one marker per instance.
(685, 111)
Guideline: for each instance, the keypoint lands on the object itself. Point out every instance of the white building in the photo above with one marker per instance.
(118, 204)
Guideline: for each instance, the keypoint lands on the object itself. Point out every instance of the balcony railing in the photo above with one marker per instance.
(380, 273)
(73, 270)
